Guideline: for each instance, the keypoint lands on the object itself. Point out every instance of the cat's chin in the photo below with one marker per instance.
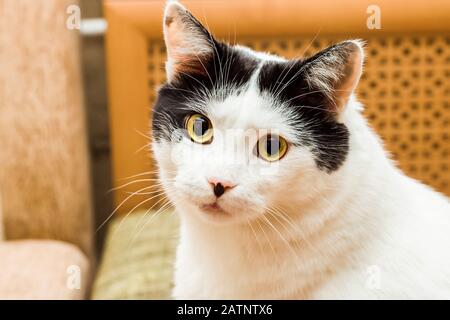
(213, 209)
(215, 213)
(218, 213)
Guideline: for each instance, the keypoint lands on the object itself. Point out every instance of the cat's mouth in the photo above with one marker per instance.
(213, 208)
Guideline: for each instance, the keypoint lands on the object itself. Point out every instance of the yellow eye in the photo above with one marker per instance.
(272, 147)
(199, 128)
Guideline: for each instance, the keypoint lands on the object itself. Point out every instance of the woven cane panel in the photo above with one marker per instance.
(405, 89)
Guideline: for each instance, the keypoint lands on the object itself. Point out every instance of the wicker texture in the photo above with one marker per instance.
(138, 258)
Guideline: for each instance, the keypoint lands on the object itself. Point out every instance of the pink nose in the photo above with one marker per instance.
(220, 186)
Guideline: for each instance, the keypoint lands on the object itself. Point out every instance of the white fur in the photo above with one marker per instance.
(366, 214)
(365, 231)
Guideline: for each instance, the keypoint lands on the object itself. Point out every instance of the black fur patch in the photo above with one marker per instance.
(316, 122)
(225, 69)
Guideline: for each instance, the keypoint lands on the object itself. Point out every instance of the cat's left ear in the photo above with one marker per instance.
(187, 41)
(336, 71)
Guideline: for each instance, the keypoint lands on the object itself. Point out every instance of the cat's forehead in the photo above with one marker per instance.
(249, 109)
(238, 109)
(261, 56)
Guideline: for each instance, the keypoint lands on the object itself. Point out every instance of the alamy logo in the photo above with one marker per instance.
(235, 147)
(73, 20)
(74, 277)
(373, 277)
(374, 18)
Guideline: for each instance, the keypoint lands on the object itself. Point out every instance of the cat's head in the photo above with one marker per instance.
(237, 133)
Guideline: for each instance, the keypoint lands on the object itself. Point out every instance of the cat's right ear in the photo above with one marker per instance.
(187, 41)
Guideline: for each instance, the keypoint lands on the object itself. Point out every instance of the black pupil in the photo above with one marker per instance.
(272, 146)
(201, 125)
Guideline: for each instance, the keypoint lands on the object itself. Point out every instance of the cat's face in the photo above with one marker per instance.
(238, 133)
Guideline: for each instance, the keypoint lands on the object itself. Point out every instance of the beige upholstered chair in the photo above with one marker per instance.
(44, 177)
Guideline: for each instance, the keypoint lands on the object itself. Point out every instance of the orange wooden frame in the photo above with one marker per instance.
(131, 23)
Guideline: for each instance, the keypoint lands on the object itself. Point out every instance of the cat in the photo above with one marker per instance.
(308, 205)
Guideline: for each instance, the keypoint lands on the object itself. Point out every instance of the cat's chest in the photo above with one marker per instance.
(276, 275)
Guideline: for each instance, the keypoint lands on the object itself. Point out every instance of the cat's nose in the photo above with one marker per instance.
(220, 186)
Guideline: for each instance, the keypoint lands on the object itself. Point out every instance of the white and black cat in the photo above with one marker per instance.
(283, 189)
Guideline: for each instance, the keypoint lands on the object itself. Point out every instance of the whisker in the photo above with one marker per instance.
(145, 146)
(139, 175)
(158, 188)
(163, 199)
(300, 232)
(284, 240)
(117, 208)
(142, 134)
(136, 181)
(256, 237)
(135, 207)
(166, 206)
(277, 91)
(213, 42)
(265, 236)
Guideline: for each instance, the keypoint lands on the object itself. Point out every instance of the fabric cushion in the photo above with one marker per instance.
(138, 258)
(42, 269)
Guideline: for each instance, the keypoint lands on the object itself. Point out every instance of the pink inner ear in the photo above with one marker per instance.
(182, 53)
(186, 41)
(352, 73)
(173, 36)
(177, 48)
